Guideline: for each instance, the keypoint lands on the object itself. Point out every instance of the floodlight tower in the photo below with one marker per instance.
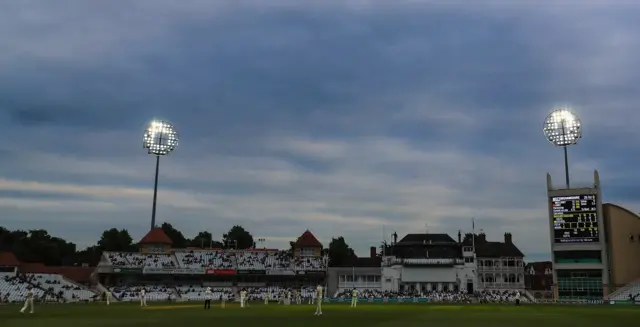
(160, 138)
(562, 128)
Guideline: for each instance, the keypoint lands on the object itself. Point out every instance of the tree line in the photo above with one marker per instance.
(39, 246)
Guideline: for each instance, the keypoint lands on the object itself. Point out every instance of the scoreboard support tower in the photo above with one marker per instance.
(578, 246)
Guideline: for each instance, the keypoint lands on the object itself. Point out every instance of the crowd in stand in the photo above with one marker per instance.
(206, 259)
(498, 296)
(218, 259)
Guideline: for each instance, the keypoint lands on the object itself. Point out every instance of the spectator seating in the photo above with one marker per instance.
(630, 292)
(215, 259)
(132, 292)
(260, 293)
(59, 286)
(252, 260)
(310, 263)
(197, 292)
(14, 289)
(117, 259)
(151, 260)
(278, 260)
(500, 296)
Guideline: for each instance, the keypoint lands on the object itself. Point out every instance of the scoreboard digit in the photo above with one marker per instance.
(575, 219)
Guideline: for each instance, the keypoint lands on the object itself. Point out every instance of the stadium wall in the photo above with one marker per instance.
(622, 228)
(431, 274)
(335, 272)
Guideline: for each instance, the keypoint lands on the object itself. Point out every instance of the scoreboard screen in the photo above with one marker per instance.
(575, 219)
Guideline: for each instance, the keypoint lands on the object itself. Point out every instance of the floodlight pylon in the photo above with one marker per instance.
(563, 128)
(160, 138)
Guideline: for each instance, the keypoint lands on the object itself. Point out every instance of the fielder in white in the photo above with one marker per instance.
(143, 298)
(28, 302)
(354, 298)
(243, 298)
(107, 296)
(318, 301)
(267, 297)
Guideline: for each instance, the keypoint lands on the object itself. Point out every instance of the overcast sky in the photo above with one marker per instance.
(342, 117)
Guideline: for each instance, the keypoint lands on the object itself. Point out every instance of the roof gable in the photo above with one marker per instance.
(156, 236)
(307, 239)
(8, 259)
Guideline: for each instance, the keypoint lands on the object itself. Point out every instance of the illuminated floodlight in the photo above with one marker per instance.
(562, 128)
(160, 138)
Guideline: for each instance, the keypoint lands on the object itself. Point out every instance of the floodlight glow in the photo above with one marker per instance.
(562, 128)
(160, 138)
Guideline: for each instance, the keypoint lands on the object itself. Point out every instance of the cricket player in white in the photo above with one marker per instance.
(107, 296)
(143, 298)
(243, 298)
(354, 298)
(298, 297)
(208, 296)
(28, 302)
(318, 301)
(223, 300)
(517, 298)
(288, 302)
(266, 297)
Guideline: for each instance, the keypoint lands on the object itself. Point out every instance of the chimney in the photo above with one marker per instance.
(373, 252)
(459, 237)
(482, 237)
(507, 238)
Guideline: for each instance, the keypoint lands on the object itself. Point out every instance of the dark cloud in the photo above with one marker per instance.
(331, 116)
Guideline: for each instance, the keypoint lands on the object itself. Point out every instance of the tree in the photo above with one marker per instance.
(115, 240)
(179, 241)
(238, 237)
(204, 239)
(340, 253)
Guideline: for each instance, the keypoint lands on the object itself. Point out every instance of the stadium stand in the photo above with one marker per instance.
(216, 259)
(59, 286)
(14, 289)
(252, 260)
(630, 292)
(197, 292)
(153, 292)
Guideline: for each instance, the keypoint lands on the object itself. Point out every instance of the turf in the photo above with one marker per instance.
(335, 315)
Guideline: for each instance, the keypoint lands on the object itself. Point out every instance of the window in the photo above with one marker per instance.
(307, 252)
(468, 259)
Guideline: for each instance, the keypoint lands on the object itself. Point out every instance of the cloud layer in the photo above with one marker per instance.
(343, 117)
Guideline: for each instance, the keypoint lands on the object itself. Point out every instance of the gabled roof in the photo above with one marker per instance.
(485, 249)
(307, 239)
(156, 236)
(364, 262)
(426, 239)
(539, 267)
(8, 259)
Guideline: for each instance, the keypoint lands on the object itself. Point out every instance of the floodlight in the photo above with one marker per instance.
(160, 138)
(562, 128)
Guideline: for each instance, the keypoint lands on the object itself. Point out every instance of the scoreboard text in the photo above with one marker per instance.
(575, 219)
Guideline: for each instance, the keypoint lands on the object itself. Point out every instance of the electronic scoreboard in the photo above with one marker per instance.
(575, 219)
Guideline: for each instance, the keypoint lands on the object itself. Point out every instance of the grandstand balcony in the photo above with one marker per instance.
(442, 262)
(500, 286)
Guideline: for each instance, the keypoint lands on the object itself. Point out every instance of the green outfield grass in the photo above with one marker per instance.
(335, 315)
